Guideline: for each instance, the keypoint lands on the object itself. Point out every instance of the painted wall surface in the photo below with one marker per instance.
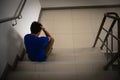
(77, 28)
(7, 9)
(11, 41)
(93, 18)
(30, 13)
(74, 3)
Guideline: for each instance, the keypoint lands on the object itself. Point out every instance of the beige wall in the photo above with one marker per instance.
(75, 3)
(75, 28)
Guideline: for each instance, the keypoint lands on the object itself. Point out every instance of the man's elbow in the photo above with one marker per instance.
(51, 38)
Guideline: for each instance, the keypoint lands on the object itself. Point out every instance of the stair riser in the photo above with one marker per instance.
(63, 76)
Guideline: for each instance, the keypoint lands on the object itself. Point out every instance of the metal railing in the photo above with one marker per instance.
(17, 14)
(114, 56)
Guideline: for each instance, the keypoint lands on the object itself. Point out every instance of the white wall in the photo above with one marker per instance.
(74, 3)
(30, 13)
(11, 41)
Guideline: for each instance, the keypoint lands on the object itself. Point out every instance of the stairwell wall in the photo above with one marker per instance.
(77, 3)
(11, 37)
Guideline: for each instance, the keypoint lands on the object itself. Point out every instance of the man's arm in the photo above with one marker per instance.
(46, 32)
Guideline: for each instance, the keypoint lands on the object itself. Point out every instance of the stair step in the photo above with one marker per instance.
(65, 64)
(67, 60)
(58, 66)
(76, 50)
(71, 52)
(68, 54)
(63, 76)
(116, 67)
(81, 55)
(73, 57)
(76, 57)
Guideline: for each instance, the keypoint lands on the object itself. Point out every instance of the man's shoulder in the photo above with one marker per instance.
(27, 35)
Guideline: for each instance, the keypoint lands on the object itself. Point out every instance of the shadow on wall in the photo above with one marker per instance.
(15, 44)
(11, 45)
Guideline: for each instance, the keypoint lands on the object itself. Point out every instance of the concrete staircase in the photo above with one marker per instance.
(66, 64)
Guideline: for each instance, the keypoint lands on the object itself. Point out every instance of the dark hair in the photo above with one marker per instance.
(35, 27)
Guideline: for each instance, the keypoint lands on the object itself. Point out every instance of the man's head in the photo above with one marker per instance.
(35, 27)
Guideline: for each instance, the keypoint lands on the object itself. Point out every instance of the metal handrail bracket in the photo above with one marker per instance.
(115, 18)
(16, 16)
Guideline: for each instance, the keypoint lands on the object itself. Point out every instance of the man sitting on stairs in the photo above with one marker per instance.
(38, 48)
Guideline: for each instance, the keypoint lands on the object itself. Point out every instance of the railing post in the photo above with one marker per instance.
(115, 18)
(100, 29)
(119, 36)
(107, 53)
(111, 27)
(112, 41)
(118, 54)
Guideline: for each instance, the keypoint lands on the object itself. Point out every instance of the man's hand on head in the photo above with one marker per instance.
(41, 26)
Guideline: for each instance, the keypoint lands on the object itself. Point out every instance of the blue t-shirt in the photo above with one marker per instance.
(35, 47)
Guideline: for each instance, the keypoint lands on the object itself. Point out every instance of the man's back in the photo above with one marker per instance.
(35, 47)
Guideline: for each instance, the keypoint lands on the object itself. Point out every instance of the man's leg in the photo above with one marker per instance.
(49, 47)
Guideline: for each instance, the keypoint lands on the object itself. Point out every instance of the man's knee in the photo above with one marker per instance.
(52, 40)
